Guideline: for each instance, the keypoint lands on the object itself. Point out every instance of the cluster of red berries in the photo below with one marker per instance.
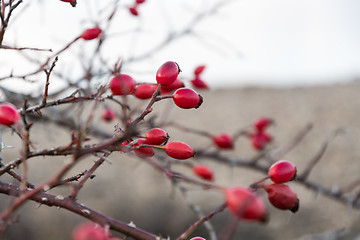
(134, 8)
(244, 203)
(166, 76)
(157, 138)
(197, 82)
(259, 138)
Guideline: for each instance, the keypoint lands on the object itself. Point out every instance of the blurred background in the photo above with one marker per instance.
(258, 42)
(297, 62)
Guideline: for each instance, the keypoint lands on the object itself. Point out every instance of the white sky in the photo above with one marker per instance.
(247, 42)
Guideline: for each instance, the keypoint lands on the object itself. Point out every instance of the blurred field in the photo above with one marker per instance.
(131, 190)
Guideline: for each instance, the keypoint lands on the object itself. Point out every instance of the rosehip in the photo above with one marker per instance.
(197, 238)
(8, 114)
(282, 171)
(282, 197)
(259, 140)
(90, 33)
(179, 150)
(156, 136)
(144, 91)
(167, 73)
(169, 88)
(140, 1)
(245, 204)
(143, 152)
(122, 84)
(262, 123)
(198, 83)
(88, 231)
(223, 141)
(203, 171)
(199, 69)
(108, 115)
(187, 98)
(133, 11)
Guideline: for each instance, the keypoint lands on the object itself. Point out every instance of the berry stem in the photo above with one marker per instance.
(195, 225)
(147, 109)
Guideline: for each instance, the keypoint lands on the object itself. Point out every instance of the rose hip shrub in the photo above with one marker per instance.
(106, 128)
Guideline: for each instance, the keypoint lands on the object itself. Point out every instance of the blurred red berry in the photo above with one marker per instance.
(179, 150)
(133, 11)
(122, 84)
(91, 33)
(169, 88)
(67, 1)
(143, 152)
(140, 1)
(245, 204)
(88, 231)
(199, 69)
(9, 114)
(203, 172)
(198, 83)
(262, 123)
(144, 91)
(108, 115)
(187, 98)
(156, 136)
(282, 171)
(223, 141)
(167, 73)
(282, 197)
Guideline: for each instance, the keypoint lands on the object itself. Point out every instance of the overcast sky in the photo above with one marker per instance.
(246, 42)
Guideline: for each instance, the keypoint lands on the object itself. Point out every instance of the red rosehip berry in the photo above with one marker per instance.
(91, 33)
(108, 115)
(199, 69)
(133, 11)
(282, 197)
(259, 140)
(8, 114)
(144, 91)
(223, 141)
(245, 204)
(198, 83)
(167, 73)
(140, 1)
(88, 231)
(156, 136)
(203, 172)
(187, 98)
(179, 150)
(197, 238)
(169, 88)
(262, 123)
(122, 84)
(143, 152)
(282, 171)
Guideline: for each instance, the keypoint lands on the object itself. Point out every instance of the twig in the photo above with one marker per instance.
(319, 154)
(79, 209)
(200, 221)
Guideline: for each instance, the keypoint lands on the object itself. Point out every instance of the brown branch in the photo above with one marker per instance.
(207, 217)
(280, 153)
(319, 154)
(79, 209)
(48, 73)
